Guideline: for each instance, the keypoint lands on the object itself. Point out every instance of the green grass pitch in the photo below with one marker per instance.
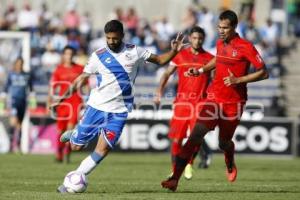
(138, 176)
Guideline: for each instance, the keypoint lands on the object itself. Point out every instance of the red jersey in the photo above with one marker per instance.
(235, 56)
(191, 89)
(63, 77)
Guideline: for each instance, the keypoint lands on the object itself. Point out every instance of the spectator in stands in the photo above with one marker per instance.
(28, 19)
(189, 19)
(164, 29)
(252, 33)
(270, 33)
(45, 16)
(206, 19)
(74, 39)
(85, 27)
(131, 21)
(56, 21)
(58, 40)
(71, 20)
(117, 14)
(10, 18)
(50, 59)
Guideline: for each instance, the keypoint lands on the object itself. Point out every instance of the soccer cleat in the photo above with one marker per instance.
(66, 136)
(62, 189)
(231, 172)
(188, 172)
(170, 184)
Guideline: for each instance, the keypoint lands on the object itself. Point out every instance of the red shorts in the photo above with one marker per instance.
(68, 113)
(225, 115)
(184, 118)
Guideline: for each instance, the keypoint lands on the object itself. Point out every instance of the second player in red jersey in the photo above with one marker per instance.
(67, 113)
(190, 92)
(227, 95)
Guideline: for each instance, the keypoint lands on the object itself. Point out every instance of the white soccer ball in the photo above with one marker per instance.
(75, 182)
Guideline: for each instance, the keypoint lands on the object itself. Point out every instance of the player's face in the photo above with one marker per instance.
(114, 40)
(226, 30)
(196, 40)
(18, 66)
(67, 56)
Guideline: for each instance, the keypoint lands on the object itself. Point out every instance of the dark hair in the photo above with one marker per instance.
(114, 26)
(231, 16)
(197, 29)
(70, 48)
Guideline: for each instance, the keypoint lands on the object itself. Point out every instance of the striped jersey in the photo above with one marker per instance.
(116, 73)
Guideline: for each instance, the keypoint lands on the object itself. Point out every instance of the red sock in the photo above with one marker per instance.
(175, 149)
(60, 148)
(191, 161)
(229, 154)
(67, 148)
(183, 157)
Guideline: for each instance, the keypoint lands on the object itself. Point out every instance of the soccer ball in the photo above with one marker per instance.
(75, 182)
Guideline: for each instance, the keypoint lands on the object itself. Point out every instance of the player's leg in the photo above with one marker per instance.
(71, 123)
(207, 121)
(18, 112)
(176, 134)
(205, 154)
(67, 148)
(61, 127)
(197, 107)
(107, 140)
(14, 128)
(106, 126)
(175, 149)
(229, 120)
(183, 115)
(184, 156)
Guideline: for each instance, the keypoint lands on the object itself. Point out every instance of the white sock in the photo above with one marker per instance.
(89, 163)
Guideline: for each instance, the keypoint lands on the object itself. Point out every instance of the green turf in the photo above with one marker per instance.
(138, 176)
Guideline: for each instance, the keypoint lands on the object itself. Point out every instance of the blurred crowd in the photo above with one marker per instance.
(51, 31)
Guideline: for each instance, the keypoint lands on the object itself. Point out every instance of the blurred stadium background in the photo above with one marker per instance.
(38, 30)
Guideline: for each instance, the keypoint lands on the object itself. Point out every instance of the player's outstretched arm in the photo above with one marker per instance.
(77, 84)
(176, 46)
(162, 83)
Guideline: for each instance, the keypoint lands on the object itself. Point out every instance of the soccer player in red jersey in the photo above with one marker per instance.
(67, 113)
(226, 95)
(191, 91)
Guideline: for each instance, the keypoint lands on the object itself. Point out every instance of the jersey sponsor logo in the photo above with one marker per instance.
(108, 60)
(234, 53)
(110, 135)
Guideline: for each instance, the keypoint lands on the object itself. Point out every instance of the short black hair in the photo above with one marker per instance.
(70, 48)
(197, 29)
(231, 16)
(114, 26)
